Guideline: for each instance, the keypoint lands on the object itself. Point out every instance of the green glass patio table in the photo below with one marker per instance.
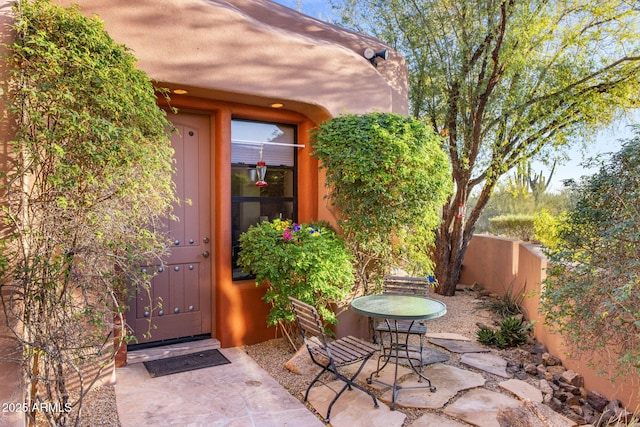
(394, 308)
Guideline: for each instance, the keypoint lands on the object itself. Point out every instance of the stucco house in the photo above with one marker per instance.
(250, 78)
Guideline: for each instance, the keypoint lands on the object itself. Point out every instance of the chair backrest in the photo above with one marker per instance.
(406, 285)
(309, 321)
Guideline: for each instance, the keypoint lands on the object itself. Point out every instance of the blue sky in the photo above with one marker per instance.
(606, 141)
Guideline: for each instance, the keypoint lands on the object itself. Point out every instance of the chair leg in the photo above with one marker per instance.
(349, 382)
(324, 369)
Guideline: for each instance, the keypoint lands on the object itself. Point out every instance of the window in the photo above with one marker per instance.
(250, 203)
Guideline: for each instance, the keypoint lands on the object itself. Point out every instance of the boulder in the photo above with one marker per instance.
(301, 362)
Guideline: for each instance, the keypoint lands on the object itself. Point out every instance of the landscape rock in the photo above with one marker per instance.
(530, 414)
(545, 387)
(557, 370)
(573, 378)
(614, 411)
(301, 363)
(538, 348)
(551, 360)
(597, 401)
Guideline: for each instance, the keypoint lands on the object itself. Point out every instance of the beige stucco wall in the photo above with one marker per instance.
(496, 263)
(255, 52)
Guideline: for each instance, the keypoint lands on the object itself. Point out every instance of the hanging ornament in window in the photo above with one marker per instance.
(261, 171)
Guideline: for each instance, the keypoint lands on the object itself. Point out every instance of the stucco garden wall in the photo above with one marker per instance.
(497, 264)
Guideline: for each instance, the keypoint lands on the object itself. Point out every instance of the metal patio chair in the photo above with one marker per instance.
(404, 285)
(331, 355)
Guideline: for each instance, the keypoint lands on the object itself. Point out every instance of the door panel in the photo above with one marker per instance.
(181, 288)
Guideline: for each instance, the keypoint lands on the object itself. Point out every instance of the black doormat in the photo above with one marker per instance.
(184, 363)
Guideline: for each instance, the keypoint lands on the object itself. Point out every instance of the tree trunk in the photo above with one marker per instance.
(449, 251)
(453, 237)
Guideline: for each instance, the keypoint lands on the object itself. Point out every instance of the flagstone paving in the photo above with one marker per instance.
(354, 408)
(461, 399)
(439, 420)
(449, 381)
(533, 413)
(522, 389)
(458, 346)
(480, 407)
(487, 362)
(447, 336)
(242, 394)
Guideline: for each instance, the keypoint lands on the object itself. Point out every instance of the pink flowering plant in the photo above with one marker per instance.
(307, 261)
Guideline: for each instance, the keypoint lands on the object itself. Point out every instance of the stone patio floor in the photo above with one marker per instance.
(242, 394)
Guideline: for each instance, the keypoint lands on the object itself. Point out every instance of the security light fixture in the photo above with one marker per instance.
(372, 56)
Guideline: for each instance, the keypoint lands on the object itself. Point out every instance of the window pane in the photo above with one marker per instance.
(247, 136)
(245, 214)
(251, 204)
(279, 179)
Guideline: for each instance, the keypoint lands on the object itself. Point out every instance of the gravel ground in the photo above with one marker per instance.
(100, 408)
(463, 312)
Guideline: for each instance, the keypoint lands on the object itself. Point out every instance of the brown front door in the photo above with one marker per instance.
(181, 289)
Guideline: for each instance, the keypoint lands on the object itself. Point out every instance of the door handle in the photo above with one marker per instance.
(205, 254)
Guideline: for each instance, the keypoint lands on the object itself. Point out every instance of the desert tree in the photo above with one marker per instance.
(505, 81)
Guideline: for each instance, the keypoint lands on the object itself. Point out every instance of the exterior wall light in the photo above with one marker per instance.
(373, 56)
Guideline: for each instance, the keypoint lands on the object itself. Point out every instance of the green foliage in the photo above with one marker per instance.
(592, 292)
(90, 180)
(511, 333)
(306, 261)
(505, 81)
(547, 228)
(506, 305)
(503, 202)
(513, 226)
(388, 178)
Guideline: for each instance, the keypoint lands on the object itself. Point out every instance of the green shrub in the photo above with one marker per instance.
(547, 228)
(85, 194)
(513, 226)
(306, 261)
(592, 291)
(512, 333)
(506, 305)
(389, 178)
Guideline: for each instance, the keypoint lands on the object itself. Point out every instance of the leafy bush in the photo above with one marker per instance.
(512, 333)
(547, 228)
(306, 261)
(513, 226)
(88, 182)
(389, 178)
(592, 292)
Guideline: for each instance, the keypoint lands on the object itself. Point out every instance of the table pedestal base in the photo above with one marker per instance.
(394, 351)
